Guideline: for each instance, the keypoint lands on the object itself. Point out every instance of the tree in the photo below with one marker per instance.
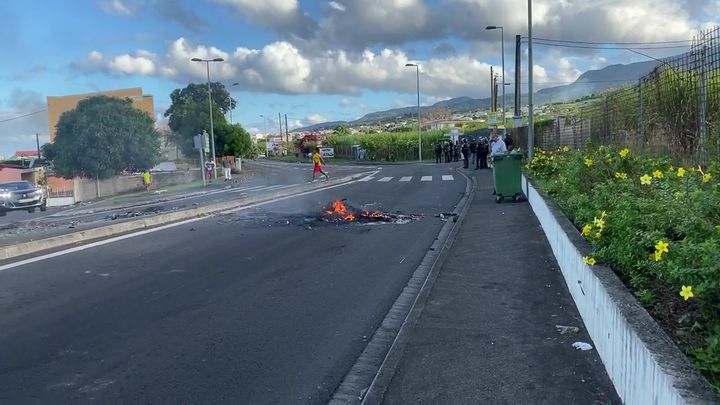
(102, 137)
(189, 116)
(233, 140)
(341, 130)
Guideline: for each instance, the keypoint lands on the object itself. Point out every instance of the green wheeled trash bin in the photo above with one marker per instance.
(507, 176)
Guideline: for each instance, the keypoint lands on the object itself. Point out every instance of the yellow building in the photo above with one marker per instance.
(58, 105)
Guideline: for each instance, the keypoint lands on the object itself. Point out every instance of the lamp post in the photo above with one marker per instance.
(502, 46)
(531, 119)
(212, 130)
(231, 103)
(265, 133)
(417, 71)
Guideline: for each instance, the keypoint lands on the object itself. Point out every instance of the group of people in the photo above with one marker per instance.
(477, 151)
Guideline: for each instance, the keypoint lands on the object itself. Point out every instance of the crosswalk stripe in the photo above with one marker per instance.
(426, 178)
(448, 177)
(368, 178)
(406, 178)
(385, 179)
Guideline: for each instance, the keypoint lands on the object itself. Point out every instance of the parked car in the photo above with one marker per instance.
(21, 195)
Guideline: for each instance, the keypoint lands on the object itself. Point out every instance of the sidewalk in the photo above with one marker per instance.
(487, 334)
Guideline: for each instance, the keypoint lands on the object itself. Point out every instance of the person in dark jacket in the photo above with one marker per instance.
(438, 152)
(465, 150)
(509, 142)
(482, 154)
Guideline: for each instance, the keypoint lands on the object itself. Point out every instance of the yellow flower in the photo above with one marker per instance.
(598, 234)
(645, 180)
(658, 174)
(589, 260)
(566, 148)
(680, 172)
(620, 175)
(706, 177)
(686, 292)
(662, 246)
(656, 256)
(623, 153)
(599, 222)
(586, 230)
(588, 162)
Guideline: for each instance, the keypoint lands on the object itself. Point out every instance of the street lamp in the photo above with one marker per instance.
(231, 105)
(212, 130)
(265, 133)
(417, 71)
(502, 46)
(531, 119)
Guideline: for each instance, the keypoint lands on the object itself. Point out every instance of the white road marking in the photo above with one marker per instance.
(448, 177)
(426, 178)
(163, 227)
(385, 179)
(368, 178)
(406, 178)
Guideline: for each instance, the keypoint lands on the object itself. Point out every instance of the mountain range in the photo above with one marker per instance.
(590, 82)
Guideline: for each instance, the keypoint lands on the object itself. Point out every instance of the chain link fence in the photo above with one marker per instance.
(674, 110)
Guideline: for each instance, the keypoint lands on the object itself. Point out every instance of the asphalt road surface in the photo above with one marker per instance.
(265, 305)
(266, 176)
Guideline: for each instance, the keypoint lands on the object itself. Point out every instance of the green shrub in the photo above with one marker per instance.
(657, 226)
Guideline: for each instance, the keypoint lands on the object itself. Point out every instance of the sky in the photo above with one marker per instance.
(314, 60)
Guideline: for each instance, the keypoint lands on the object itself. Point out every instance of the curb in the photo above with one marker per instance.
(25, 248)
(369, 377)
(644, 364)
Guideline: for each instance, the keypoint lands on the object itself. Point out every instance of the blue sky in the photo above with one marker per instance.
(312, 60)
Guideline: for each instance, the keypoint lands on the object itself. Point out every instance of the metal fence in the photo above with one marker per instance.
(674, 110)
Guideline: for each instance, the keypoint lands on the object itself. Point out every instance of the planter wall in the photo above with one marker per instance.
(644, 364)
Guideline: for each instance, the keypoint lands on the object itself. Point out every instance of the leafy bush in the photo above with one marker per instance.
(390, 146)
(657, 226)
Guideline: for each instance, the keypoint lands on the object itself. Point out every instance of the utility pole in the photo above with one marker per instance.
(531, 120)
(37, 141)
(280, 123)
(492, 90)
(518, 89)
(287, 132)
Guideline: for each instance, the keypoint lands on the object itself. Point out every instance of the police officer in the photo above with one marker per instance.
(438, 152)
(465, 149)
(482, 154)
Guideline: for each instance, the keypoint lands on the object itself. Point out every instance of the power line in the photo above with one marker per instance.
(23, 116)
(614, 43)
(609, 47)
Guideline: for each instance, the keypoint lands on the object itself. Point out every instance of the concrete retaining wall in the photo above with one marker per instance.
(87, 189)
(644, 364)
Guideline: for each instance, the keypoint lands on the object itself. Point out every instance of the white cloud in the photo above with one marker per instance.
(115, 7)
(282, 15)
(282, 68)
(345, 102)
(336, 6)
(316, 118)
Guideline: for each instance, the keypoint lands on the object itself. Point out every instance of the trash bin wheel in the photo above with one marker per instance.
(499, 199)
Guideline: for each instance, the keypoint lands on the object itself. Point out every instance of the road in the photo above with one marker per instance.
(265, 305)
(265, 177)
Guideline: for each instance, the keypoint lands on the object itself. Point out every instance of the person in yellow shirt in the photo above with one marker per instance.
(318, 163)
(147, 179)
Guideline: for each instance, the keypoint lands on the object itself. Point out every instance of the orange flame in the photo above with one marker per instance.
(339, 209)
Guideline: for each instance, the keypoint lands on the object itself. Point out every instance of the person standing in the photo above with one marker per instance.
(318, 163)
(465, 154)
(147, 179)
(438, 152)
(227, 168)
(498, 145)
(509, 142)
(481, 155)
(209, 169)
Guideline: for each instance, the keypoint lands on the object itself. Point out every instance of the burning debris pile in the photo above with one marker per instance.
(338, 211)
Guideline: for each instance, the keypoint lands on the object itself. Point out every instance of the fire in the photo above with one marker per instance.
(339, 209)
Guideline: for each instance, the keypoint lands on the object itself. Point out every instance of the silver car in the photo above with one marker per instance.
(21, 195)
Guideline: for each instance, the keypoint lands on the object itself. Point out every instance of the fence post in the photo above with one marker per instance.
(703, 106)
(641, 118)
